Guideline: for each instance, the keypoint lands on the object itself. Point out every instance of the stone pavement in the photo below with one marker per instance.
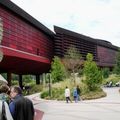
(36, 100)
(107, 108)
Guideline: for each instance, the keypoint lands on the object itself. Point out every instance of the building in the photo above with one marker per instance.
(28, 46)
(103, 51)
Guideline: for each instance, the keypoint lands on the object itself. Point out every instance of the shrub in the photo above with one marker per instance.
(105, 72)
(93, 95)
(33, 89)
(93, 76)
(117, 65)
(58, 72)
(57, 93)
(113, 77)
(44, 94)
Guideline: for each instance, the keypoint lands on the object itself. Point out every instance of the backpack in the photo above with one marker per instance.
(3, 112)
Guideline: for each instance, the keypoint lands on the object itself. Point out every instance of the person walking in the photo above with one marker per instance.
(67, 95)
(21, 107)
(75, 95)
(4, 108)
(78, 93)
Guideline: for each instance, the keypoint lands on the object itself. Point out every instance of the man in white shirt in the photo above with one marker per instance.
(67, 94)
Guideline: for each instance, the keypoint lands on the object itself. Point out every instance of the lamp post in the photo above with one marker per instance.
(49, 84)
(1, 36)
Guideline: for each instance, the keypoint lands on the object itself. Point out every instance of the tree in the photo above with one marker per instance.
(105, 72)
(117, 65)
(57, 70)
(93, 76)
(72, 60)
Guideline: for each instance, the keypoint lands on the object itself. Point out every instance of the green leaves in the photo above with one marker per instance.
(57, 70)
(117, 66)
(92, 74)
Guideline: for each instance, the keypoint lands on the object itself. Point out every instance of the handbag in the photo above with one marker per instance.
(3, 112)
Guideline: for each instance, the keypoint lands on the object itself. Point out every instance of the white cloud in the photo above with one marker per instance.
(94, 18)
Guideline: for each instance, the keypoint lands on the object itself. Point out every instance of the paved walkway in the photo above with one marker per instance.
(107, 108)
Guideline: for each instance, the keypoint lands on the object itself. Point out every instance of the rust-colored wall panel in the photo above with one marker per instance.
(103, 51)
(21, 35)
(106, 55)
(63, 42)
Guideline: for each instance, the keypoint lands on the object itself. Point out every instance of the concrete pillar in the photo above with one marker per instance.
(20, 81)
(44, 79)
(9, 77)
(49, 78)
(40, 79)
(37, 79)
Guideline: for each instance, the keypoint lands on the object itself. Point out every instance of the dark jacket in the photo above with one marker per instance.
(24, 109)
(78, 91)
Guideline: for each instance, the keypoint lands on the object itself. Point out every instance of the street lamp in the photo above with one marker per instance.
(49, 84)
(1, 36)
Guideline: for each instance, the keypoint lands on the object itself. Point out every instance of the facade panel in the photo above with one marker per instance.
(103, 51)
(106, 56)
(28, 42)
(20, 35)
(64, 40)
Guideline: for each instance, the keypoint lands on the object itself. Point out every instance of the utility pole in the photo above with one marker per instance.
(49, 84)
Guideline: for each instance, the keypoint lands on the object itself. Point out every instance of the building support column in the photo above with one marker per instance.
(9, 77)
(44, 79)
(37, 79)
(41, 79)
(20, 81)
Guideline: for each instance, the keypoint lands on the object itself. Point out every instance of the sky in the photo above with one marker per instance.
(98, 19)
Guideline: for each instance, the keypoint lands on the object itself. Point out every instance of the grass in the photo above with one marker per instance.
(113, 77)
(57, 91)
(93, 95)
(33, 89)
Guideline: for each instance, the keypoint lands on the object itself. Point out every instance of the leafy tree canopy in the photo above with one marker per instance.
(117, 66)
(58, 72)
(92, 73)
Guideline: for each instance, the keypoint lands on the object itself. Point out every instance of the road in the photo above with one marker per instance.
(107, 108)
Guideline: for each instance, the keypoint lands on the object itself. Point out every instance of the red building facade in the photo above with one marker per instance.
(28, 46)
(22, 37)
(103, 51)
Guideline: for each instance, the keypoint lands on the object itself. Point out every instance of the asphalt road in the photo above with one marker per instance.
(107, 108)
